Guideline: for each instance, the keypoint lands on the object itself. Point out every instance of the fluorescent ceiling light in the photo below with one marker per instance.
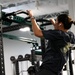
(25, 29)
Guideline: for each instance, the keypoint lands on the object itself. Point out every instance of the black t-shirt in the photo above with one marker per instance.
(57, 49)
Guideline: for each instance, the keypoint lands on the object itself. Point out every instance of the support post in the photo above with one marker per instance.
(2, 68)
(70, 63)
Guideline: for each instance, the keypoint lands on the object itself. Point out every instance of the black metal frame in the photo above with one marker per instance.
(70, 63)
(2, 66)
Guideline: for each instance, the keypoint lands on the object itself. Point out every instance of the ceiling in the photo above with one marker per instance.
(10, 3)
(38, 7)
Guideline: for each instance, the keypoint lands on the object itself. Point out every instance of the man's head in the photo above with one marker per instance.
(64, 20)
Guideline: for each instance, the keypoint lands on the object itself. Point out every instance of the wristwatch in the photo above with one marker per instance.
(32, 17)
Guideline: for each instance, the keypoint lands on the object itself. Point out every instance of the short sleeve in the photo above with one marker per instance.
(51, 34)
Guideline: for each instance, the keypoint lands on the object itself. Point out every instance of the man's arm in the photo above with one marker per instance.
(36, 29)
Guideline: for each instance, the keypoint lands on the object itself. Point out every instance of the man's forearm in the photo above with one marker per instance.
(37, 31)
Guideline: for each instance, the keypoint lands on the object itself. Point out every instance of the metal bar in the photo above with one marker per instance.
(17, 67)
(70, 63)
(2, 68)
(23, 39)
(43, 44)
(14, 27)
(33, 57)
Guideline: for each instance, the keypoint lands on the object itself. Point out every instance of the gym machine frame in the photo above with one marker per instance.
(2, 66)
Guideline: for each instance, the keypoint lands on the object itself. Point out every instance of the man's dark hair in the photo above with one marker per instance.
(66, 20)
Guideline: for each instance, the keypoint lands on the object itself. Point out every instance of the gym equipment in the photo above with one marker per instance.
(28, 57)
(0, 12)
(20, 57)
(31, 70)
(70, 63)
(2, 68)
(23, 39)
(12, 58)
(9, 18)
